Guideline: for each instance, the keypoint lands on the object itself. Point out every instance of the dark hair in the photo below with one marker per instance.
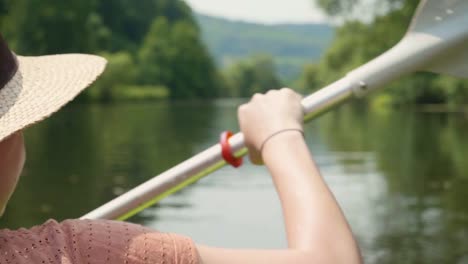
(8, 63)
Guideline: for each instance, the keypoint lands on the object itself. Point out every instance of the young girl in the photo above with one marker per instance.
(32, 88)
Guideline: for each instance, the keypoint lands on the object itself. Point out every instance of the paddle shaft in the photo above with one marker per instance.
(204, 163)
(414, 52)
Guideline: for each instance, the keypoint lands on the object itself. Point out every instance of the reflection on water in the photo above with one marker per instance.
(401, 177)
(413, 208)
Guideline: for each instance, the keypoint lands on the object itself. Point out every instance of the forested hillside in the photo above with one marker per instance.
(290, 45)
(153, 47)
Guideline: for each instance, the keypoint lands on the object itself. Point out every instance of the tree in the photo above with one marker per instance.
(194, 72)
(256, 74)
(356, 43)
(3, 7)
(50, 26)
(156, 54)
(160, 36)
(309, 79)
(131, 20)
(120, 71)
(355, 9)
(173, 55)
(240, 78)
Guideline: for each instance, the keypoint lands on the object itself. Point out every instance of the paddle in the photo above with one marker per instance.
(435, 42)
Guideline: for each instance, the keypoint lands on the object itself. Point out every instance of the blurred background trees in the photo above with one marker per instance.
(151, 45)
(161, 49)
(255, 74)
(359, 40)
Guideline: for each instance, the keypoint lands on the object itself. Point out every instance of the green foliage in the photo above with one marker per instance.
(118, 82)
(155, 54)
(130, 20)
(121, 71)
(256, 74)
(173, 56)
(3, 7)
(336, 7)
(352, 9)
(149, 43)
(309, 79)
(195, 73)
(357, 43)
(454, 89)
(48, 26)
(140, 92)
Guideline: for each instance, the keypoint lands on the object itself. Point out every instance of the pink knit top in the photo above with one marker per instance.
(94, 242)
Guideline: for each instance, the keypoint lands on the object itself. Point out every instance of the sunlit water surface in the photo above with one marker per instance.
(400, 177)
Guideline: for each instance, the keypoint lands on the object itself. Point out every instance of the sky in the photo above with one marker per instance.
(260, 11)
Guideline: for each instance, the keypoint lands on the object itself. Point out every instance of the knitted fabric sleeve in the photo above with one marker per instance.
(94, 242)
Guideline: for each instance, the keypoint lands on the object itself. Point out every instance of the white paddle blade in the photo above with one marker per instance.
(437, 41)
(454, 64)
(446, 20)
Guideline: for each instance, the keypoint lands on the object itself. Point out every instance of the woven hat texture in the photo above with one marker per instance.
(42, 85)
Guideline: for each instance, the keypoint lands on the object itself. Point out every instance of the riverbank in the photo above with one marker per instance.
(138, 94)
(442, 108)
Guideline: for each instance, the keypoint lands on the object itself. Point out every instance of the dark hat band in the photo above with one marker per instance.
(8, 63)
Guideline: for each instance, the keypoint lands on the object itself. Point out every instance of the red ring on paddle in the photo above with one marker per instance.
(226, 150)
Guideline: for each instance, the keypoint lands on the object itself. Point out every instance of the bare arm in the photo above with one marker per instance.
(316, 228)
(12, 159)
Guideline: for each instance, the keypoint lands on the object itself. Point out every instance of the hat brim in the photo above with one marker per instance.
(42, 85)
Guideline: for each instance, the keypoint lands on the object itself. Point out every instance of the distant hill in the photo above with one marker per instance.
(291, 45)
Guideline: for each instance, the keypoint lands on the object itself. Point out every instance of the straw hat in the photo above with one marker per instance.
(32, 88)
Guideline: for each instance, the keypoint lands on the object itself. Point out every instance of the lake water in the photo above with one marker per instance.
(400, 177)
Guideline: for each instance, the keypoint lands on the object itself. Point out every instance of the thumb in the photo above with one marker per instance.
(255, 156)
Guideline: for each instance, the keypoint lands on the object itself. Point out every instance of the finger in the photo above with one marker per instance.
(270, 92)
(256, 97)
(241, 112)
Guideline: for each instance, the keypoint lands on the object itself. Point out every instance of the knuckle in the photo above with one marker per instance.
(288, 91)
(257, 96)
(293, 94)
(273, 92)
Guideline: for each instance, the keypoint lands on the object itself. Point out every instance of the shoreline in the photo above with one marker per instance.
(441, 108)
